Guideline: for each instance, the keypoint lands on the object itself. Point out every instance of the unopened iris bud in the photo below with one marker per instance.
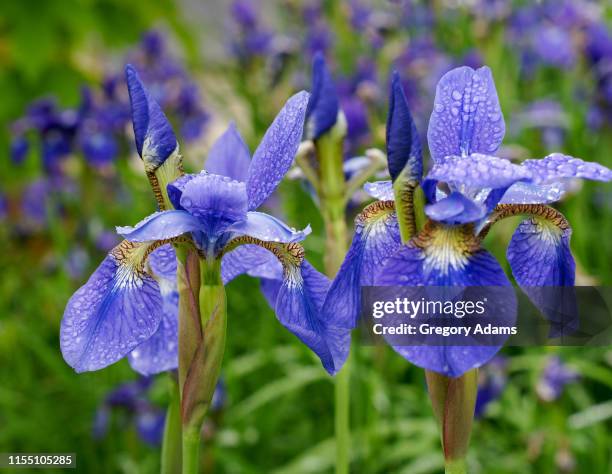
(323, 114)
(404, 157)
(155, 140)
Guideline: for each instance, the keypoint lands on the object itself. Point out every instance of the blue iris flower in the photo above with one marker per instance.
(129, 305)
(468, 189)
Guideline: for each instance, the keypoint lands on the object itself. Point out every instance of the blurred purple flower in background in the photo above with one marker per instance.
(546, 116)
(131, 399)
(555, 376)
(492, 381)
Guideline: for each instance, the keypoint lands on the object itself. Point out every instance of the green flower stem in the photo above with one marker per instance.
(190, 327)
(191, 451)
(455, 467)
(453, 401)
(333, 205)
(171, 448)
(202, 330)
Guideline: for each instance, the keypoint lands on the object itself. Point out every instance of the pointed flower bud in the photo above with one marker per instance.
(403, 143)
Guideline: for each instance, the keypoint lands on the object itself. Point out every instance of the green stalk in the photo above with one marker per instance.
(453, 401)
(171, 448)
(333, 204)
(205, 368)
(455, 467)
(191, 451)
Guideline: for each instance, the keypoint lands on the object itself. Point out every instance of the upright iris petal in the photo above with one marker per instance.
(155, 140)
(403, 142)
(467, 117)
(276, 152)
(322, 111)
(229, 156)
(217, 201)
(116, 310)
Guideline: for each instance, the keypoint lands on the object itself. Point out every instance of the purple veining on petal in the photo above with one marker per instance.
(467, 117)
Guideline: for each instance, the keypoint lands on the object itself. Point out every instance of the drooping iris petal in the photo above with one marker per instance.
(253, 260)
(455, 209)
(477, 171)
(381, 190)
(163, 262)
(266, 227)
(376, 238)
(322, 111)
(270, 288)
(404, 154)
(276, 152)
(539, 254)
(216, 201)
(116, 310)
(542, 264)
(161, 225)
(446, 256)
(298, 308)
(557, 166)
(229, 156)
(159, 353)
(155, 140)
(467, 117)
(528, 193)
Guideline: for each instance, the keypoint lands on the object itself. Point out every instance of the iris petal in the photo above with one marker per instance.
(229, 156)
(298, 308)
(159, 353)
(376, 238)
(253, 260)
(455, 209)
(266, 227)
(539, 254)
(403, 142)
(322, 110)
(161, 225)
(175, 189)
(543, 266)
(163, 262)
(478, 171)
(528, 193)
(116, 310)
(446, 259)
(216, 201)
(467, 116)
(155, 139)
(277, 149)
(556, 166)
(382, 190)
